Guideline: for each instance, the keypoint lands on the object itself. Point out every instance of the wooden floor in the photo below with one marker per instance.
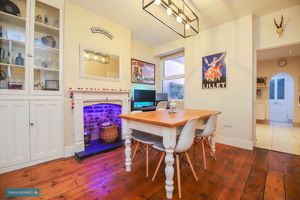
(237, 174)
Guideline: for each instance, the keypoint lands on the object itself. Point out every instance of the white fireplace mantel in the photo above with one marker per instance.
(98, 96)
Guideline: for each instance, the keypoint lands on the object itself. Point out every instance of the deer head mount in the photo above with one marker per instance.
(279, 27)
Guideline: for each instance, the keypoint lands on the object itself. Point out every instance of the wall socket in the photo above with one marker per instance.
(227, 124)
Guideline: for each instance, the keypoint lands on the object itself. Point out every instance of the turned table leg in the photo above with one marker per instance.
(169, 171)
(128, 151)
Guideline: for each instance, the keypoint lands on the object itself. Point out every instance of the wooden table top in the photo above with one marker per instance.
(163, 118)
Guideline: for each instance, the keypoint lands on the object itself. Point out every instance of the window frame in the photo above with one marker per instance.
(173, 77)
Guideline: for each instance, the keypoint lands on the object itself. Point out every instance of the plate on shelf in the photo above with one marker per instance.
(9, 7)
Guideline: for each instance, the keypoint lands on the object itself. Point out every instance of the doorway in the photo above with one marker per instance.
(281, 98)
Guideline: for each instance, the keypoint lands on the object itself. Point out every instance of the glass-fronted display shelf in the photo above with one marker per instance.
(38, 56)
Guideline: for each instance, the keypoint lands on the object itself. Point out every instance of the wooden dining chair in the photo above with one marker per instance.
(205, 134)
(144, 140)
(184, 143)
(162, 105)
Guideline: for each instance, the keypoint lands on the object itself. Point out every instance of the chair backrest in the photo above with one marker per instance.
(186, 138)
(210, 126)
(162, 105)
(136, 111)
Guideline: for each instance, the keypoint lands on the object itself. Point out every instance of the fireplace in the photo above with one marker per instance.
(91, 110)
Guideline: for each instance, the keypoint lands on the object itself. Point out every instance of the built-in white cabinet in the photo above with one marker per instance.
(14, 133)
(30, 131)
(45, 128)
(31, 52)
(31, 83)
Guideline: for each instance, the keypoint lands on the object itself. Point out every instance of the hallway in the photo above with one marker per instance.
(281, 137)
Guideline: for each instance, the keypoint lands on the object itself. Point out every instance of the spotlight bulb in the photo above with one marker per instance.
(157, 2)
(187, 26)
(178, 19)
(169, 11)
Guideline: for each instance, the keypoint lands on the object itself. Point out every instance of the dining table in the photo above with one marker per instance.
(165, 124)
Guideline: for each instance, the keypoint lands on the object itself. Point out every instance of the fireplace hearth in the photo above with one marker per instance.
(96, 116)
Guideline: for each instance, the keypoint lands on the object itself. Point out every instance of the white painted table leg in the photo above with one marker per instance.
(169, 141)
(169, 171)
(128, 150)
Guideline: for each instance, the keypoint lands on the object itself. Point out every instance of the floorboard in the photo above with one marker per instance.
(236, 174)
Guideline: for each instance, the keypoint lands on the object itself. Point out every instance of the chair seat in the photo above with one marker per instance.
(145, 137)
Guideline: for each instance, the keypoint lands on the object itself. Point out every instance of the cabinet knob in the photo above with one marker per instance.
(31, 124)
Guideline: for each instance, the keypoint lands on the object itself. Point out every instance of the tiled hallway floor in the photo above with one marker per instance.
(281, 137)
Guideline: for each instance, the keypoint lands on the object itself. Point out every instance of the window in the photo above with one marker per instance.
(280, 88)
(272, 89)
(173, 77)
(277, 89)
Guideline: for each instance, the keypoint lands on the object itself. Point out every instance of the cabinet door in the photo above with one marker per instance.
(14, 132)
(46, 64)
(46, 131)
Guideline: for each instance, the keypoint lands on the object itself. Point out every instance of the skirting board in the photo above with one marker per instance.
(236, 142)
(69, 151)
(30, 163)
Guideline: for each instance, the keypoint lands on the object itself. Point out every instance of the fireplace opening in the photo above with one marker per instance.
(102, 128)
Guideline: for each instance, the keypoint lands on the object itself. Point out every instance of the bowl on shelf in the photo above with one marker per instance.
(49, 41)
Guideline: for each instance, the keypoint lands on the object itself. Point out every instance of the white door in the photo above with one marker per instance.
(280, 99)
(46, 130)
(14, 132)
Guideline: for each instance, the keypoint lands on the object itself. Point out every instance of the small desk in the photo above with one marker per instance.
(163, 124)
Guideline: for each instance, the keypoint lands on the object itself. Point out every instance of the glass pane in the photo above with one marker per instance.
(12, 45)
(280, 88)
(272, 89)
(174, 88)
(174, 66)
(46, 47)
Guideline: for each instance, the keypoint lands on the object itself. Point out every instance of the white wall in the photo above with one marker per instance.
(235, 102)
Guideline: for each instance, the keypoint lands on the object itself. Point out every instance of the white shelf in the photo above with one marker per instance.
(13, 41)
(13, 19)
(46, 69)
(12, 65)
(45, 28)
(45, 48)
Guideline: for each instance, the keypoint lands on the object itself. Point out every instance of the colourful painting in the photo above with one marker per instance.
(142, 72)
(214, 71)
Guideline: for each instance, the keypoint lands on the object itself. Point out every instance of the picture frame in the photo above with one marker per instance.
(52, 85)
(214, 69)
(142, 72)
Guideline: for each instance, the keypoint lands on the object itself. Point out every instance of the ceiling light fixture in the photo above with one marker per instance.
(290, 51)
(185, 21)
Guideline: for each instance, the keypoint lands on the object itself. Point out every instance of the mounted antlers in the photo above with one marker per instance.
(279, 28)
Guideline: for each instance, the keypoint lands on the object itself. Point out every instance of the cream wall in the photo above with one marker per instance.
(142, 52)
(77, 31)
(264, 29)
(268, 69)
(235, 38)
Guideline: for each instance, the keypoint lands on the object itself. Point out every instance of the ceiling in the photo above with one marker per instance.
(151, 32)
(281, 52)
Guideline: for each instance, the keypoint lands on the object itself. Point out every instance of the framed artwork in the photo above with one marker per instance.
(214, 71)
(142, 72)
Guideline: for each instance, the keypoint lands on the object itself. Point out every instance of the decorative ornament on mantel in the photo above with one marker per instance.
(72, 90)
(175, 14)
(279, 27)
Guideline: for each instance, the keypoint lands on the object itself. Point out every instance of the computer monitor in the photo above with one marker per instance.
(161, 96)
(144, 95)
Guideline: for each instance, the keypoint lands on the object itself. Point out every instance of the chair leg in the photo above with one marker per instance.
(178, 175)
(191, 165)
(135, 150)
(147, 160)
(203, 152)
(158, 165)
